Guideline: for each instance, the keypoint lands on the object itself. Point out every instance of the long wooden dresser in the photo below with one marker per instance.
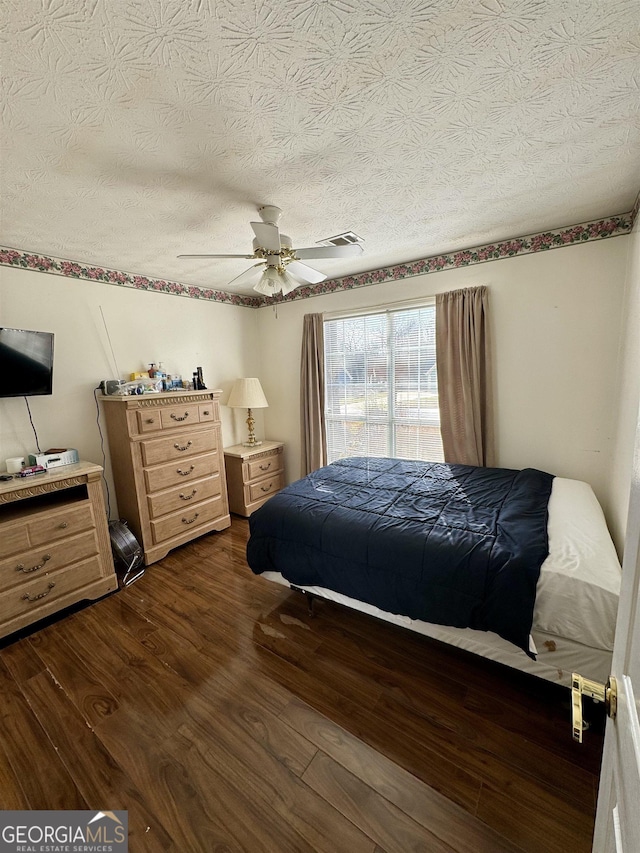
(168, 467)
(54, 544)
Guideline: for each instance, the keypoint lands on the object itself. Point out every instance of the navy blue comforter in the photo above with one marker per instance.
(450, 544)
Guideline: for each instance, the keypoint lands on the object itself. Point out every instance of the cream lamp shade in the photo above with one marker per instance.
(248, 394)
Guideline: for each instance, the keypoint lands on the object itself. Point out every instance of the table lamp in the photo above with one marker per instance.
(248, 394)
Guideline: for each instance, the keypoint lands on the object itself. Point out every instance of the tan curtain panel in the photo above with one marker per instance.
(314, 442)
(464, 376)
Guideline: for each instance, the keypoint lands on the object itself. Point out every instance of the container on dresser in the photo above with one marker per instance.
(254, 474)
(168, 467)
(54, 544)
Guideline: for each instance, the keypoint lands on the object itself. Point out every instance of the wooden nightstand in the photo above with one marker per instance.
(254, 474)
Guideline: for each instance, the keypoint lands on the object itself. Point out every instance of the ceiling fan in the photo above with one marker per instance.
(280, 268)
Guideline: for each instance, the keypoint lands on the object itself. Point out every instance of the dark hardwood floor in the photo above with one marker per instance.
(211, 706)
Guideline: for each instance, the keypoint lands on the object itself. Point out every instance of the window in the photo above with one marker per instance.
(381, 385)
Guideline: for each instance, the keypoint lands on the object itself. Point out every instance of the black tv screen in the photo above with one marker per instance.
(26, 363)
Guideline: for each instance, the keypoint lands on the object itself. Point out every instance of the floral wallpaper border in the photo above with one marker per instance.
(600, 229)
(75, 269)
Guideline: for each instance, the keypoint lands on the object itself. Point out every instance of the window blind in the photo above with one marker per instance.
(381, 391)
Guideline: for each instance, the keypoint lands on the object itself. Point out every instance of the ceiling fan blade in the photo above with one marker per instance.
(268, 236)
(246, 257)
(304, 273)
(248, 276)
(349, 251)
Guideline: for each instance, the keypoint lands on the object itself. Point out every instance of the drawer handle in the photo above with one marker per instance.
(266, 488)
(179, 417)
(63, 525)
(188, 497)
(265, 467)
(27, 597)
(20, 567)
(150, 421)
(190, 520)
(184, 473)
(182, 446)
(206, 412)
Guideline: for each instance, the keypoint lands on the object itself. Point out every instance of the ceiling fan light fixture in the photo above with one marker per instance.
(288, 283)
(284, 270)
(266, 288)
(270, 282)
(272, 275)
(276, 280)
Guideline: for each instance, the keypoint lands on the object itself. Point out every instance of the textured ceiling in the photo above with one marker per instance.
(137, 130)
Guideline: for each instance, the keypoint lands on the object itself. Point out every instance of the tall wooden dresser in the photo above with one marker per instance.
(54, 544)
(168, 467)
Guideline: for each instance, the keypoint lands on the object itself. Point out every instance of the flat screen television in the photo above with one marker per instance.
(26, 363)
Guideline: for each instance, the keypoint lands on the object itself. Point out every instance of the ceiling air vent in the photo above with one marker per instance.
(345, 239)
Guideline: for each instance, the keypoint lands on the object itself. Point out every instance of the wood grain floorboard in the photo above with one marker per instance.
(449, 778)
(550, 829)
(454, 732)
(423, 804)
(44, 781)
(98, 777)
(210, 704)
(68, 668)
(376, 816)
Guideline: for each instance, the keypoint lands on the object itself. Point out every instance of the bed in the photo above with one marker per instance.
(516, 566)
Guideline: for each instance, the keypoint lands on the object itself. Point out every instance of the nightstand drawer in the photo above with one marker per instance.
(177, 447)
(186, 520)
(264, 467)
(266, 487)
(183, 496)
(181, 472)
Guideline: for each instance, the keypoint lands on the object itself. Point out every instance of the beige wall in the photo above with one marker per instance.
(144, 327)
(629, 390)
(556, 326)
(566, 364)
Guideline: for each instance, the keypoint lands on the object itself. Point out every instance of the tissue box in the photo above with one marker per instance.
(55, 457)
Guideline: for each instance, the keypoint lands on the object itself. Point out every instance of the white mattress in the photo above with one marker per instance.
(576, 598)
(579, 584)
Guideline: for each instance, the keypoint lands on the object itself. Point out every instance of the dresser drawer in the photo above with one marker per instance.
(171, 417)
(184, 496)
(28, 565)
(186, 520)
(64, 522)
(178, 447)
(209, 411)
(177, 416)
(149, 420)
(34, 595)
(13, 538)
(257, 468)
(266, 487)
(175, 473)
